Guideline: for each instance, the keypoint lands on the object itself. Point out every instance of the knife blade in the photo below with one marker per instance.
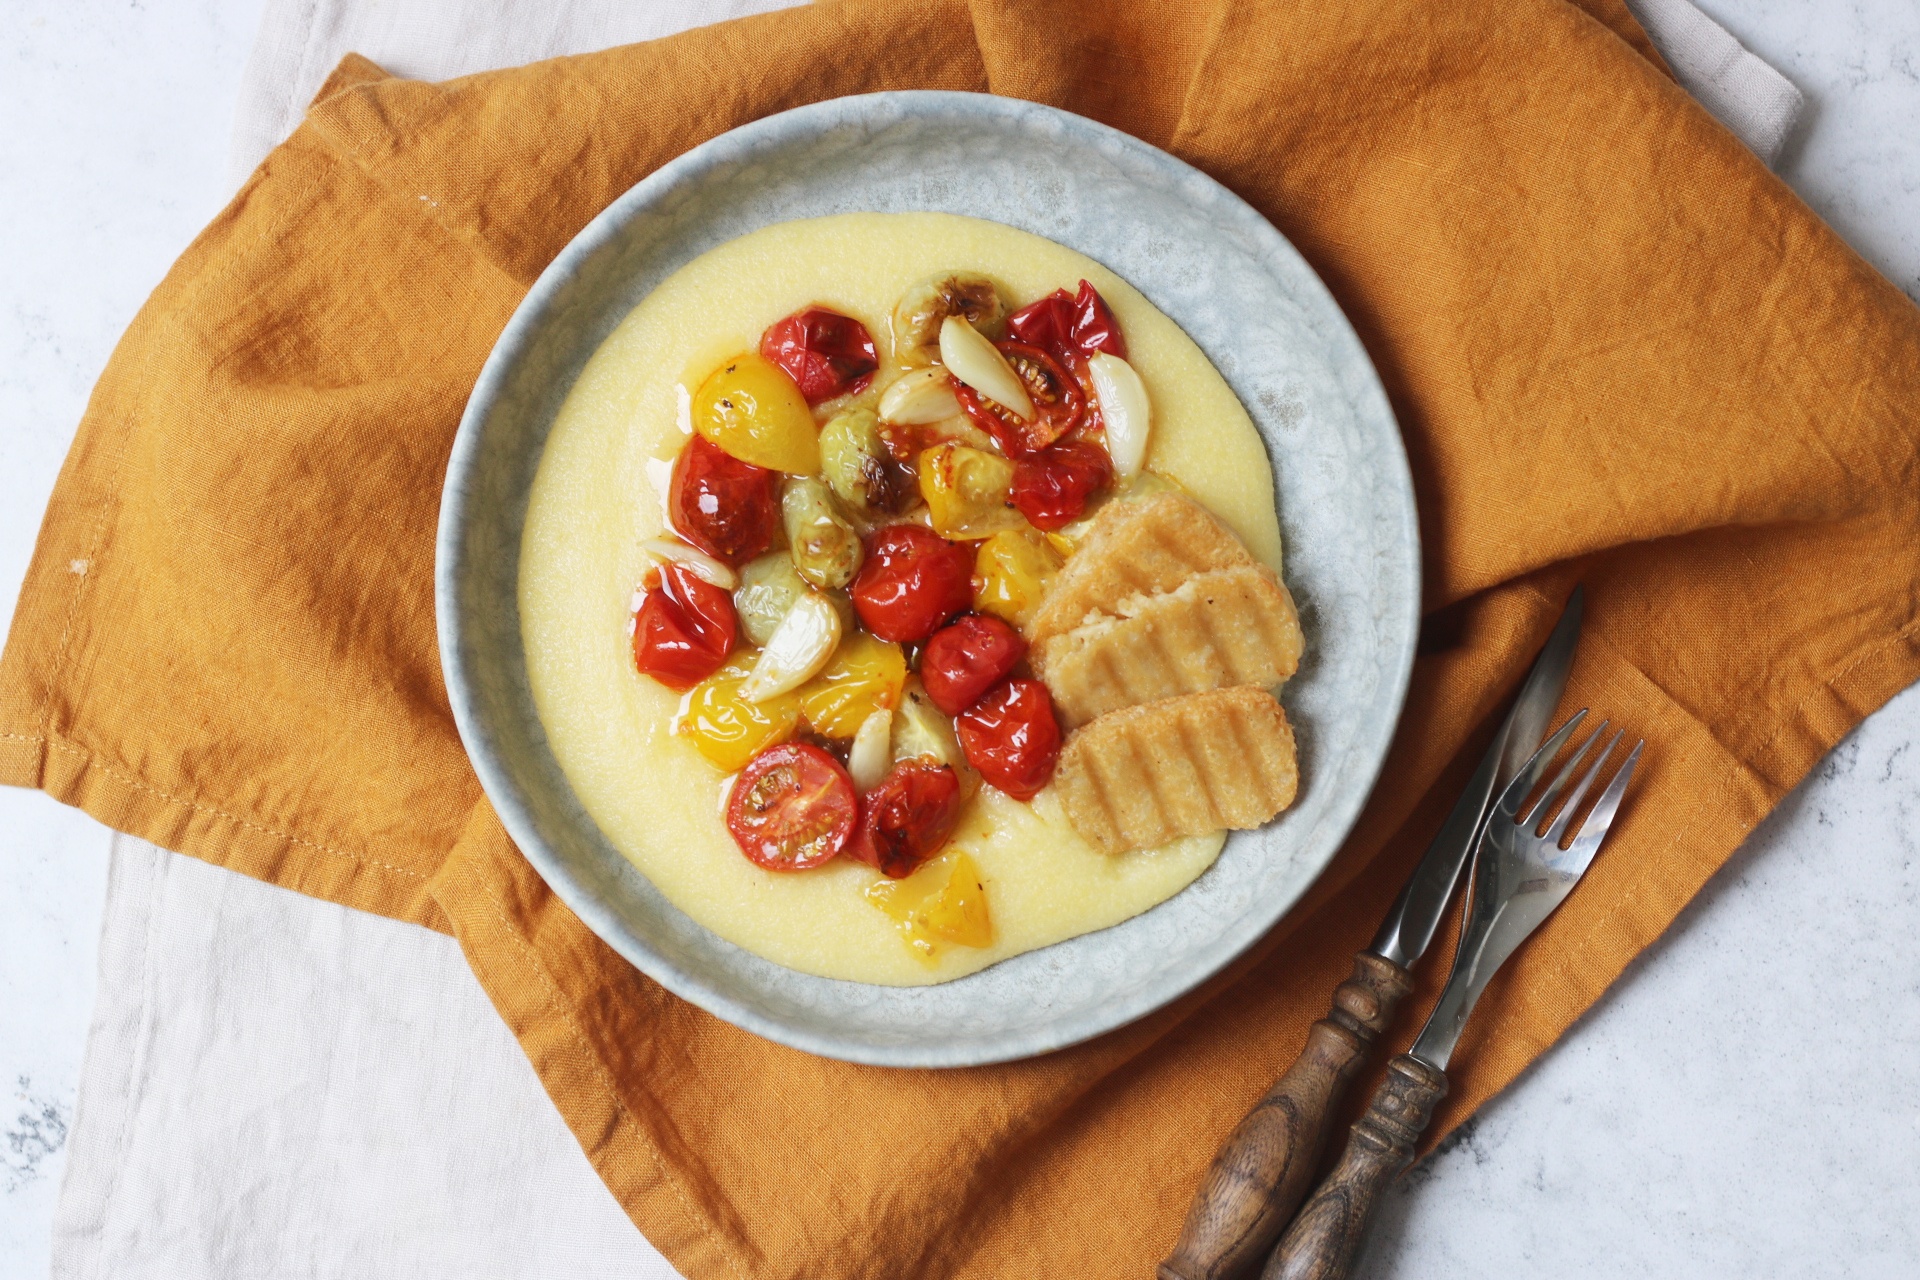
(1263, 1170)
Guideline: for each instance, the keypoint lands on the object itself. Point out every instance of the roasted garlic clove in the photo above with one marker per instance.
(799, 647)
(1124, 410)
(974, 361)
(919, 397)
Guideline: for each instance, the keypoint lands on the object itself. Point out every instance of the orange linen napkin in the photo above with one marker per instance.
(1620, 351)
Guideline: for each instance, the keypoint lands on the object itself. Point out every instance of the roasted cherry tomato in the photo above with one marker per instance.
(827, 353)
(1071, 328)
(966, 658)
(725, 507)
(907, 817)
(1052, 489)
(684, 628)
(792, 807)
(1011, 737)
(913, 580)
(1058, 402)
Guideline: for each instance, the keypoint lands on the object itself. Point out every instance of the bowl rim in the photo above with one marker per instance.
(1400, 621)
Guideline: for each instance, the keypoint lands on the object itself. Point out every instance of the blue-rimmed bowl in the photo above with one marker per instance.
(1203, 256)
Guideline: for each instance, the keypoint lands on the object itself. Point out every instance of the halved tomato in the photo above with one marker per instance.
(1057, 398)
(908, 817)
(793, 807)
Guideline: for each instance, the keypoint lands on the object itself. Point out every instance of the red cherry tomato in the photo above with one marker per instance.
(1057, 398)
(1071, 328)
(728, 508)
(968, 657)
(792, 807)
(913, 580)
(827, 353)
(684, 628)
(1052, 489)
(1011, 737)
(907, 817)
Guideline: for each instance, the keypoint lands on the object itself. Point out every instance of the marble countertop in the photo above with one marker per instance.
(1739, 1104)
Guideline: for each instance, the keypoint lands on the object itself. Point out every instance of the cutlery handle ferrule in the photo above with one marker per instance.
(1250, 1190)
(1325, 1240)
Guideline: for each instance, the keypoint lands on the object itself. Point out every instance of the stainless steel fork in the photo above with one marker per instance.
(1520, 874)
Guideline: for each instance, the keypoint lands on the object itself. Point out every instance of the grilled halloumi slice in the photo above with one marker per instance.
(1227, 627)
(1138, 778)
(1135, 546)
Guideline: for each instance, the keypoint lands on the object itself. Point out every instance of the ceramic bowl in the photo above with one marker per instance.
(1201, 255)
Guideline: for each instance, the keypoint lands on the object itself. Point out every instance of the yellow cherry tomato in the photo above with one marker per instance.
(728, 729)
(969, 492)
(754, 411)
(1010, 573)
(944, 902)
(864, 675)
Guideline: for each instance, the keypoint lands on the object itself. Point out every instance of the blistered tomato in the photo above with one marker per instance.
(1057, 398)
(913, 580)
(825, 353)
(725, 507)
(792, 807)
(754, 411)
(728, 729)
(684, 628)
(1071, 328)
(1010, 573)
(1011, 737)
(966, 658)
(1052, 489)
(864, 675)
(906, 819)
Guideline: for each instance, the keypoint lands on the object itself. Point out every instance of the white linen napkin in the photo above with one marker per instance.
(276, 1086)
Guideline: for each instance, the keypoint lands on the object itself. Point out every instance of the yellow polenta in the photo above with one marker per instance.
(598, 496)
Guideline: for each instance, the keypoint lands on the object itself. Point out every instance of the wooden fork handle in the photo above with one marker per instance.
(1250, 1190)
(1324, 1241)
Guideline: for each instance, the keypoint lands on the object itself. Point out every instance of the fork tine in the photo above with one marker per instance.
(1557, 832)
(1517, 791)
(1554, 788)
(1595, 827)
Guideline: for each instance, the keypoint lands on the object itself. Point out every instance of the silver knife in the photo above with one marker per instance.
(1265, 1167)
(1519, 876)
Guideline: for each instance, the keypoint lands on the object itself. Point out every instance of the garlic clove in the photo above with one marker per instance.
(1124, 410)
(975, 361)
(872, 753)
(923, 396)
(704, 566)
(796, 651)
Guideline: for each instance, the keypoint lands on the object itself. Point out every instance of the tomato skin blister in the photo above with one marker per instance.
(684, 628)
(966, 658)
(907, 818)
(1011, 737)
(1052, 489)
(913, 580)
(827, 354)
(728, 508)
(1072, 328)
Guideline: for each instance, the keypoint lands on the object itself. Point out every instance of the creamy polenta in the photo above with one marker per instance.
(598, 497)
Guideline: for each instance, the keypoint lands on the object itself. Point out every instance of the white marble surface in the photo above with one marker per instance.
(1741, 1104)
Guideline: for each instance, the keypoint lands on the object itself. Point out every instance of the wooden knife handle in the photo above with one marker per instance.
(1251, 1188)
(1324, 1241)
